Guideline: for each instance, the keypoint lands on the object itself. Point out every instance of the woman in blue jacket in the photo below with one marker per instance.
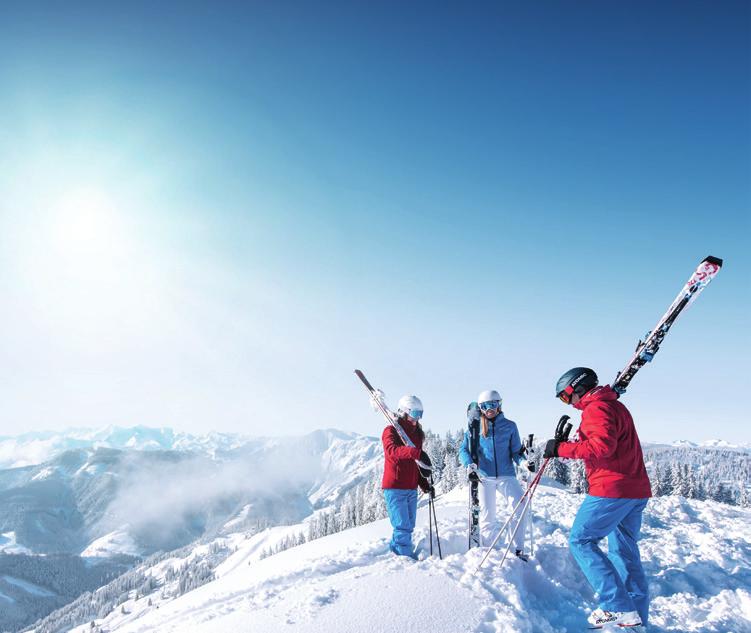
(499, 451)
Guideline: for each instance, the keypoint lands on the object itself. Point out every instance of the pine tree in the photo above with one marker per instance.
(560, 472)
(744, 498)
(578, 477)
(658, 488)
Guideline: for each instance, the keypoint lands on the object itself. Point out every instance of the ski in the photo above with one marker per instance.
(424, 465)
(646, 349)
(473, 421)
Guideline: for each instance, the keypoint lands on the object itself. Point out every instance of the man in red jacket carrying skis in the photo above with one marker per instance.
(618, 493)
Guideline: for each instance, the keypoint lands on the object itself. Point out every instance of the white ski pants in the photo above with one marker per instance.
(490, 523)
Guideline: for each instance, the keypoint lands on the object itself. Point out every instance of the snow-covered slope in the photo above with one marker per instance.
(697, 555)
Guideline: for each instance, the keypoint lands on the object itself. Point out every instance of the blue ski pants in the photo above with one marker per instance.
(618, 578)
(402, 508)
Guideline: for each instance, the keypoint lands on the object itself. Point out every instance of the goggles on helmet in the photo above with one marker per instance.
(490, 405)
(415, 414)
(566, 395)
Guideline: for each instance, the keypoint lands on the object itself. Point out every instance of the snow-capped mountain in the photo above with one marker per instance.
(696, 554)
(715, 444)
(91, 512)
(37, 447)
(101, 501)
(708, 444)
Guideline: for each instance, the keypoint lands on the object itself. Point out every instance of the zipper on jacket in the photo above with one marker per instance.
(495, 459)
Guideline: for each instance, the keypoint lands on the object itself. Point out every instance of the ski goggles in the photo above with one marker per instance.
(415, 414)
(566, 395)
(490, 405)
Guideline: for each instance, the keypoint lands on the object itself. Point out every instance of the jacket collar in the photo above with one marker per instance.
(602, 393)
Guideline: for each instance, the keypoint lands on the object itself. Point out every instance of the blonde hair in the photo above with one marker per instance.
(485, 422)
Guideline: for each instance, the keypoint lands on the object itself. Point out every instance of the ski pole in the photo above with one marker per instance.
(513, 513)
(430, 524)
(518, 523)
(531, 526)
(530, 523)
(562, 430)
(435, 520)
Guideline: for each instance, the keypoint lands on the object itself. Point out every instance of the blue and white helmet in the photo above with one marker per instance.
(489, 400)
(411, 406)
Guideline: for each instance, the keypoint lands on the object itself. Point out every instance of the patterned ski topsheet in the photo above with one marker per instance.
(474, 500)
(645, 350)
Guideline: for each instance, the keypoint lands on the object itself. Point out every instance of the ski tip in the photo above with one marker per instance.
(713, 260)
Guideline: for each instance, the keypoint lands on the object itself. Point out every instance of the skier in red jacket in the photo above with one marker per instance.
(401, 476)
(618, 493)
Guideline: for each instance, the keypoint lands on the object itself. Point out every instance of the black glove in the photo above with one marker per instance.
(425, 466)
(531, 466)
(426, 486)
(551, 449)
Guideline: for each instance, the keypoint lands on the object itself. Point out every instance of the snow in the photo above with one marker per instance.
(45, 473)
(8, 544)
(697, 555)
(117, 542)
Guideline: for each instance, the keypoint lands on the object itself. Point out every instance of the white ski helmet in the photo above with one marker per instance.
(411, 406)
(488, 398)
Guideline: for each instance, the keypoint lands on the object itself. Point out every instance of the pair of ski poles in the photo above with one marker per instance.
(433, 520)
(562, 431)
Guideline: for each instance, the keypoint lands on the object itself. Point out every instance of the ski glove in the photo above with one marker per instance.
(472, 472)
(424, 465)
(531, 466)
(551, 449)
(378, 396)
(426, 486)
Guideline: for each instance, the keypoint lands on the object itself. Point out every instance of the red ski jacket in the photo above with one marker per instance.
(610, 448)
(400, 470)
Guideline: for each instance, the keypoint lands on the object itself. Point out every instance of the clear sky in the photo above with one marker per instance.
(211, 213)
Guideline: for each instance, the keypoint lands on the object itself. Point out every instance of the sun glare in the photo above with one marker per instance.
(87, 224)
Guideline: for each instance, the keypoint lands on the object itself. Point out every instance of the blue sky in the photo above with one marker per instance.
(211, 215)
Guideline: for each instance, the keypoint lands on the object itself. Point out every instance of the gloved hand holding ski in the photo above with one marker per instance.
(377, 400)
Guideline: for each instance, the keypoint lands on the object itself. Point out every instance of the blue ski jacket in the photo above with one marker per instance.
(498, 452)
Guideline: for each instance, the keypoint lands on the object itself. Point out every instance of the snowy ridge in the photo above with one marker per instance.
(101, 502)
(37, 447)
(697, 555)
(706, 444)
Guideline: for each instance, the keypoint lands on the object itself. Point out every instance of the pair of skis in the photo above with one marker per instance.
(473, 422)
(646, 349)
